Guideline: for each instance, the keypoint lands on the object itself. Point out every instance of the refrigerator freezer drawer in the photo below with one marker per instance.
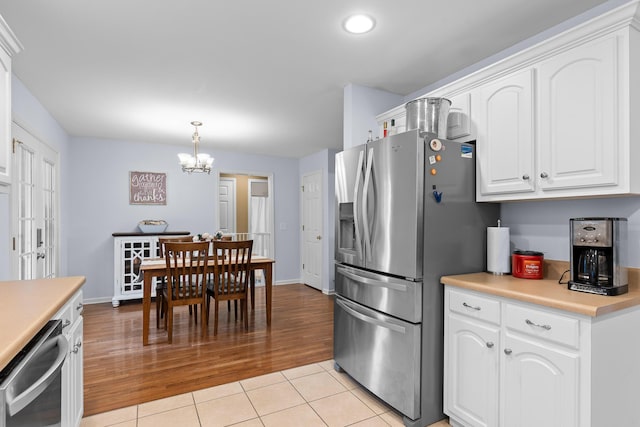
(381, 353)
(397, 297)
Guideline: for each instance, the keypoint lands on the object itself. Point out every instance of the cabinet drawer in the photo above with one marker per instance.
(76, 306)
(541, 324)
(475, 306)
(70, 312)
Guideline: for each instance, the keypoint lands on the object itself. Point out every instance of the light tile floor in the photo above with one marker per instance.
(309, 396)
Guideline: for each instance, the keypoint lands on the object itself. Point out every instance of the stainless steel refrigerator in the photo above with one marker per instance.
(405, 216)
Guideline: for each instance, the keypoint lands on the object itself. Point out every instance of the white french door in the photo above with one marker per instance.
(35, 207)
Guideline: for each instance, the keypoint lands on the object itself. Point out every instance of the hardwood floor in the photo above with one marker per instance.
(120, 372)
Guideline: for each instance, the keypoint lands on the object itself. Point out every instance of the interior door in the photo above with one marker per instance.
(312, 229)
(35, 209)
(227, 204)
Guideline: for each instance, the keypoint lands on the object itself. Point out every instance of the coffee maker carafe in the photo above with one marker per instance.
(598, 255)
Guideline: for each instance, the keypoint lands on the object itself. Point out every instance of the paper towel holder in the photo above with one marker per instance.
(498, 250)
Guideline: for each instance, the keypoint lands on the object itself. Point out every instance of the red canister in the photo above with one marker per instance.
(527, 264)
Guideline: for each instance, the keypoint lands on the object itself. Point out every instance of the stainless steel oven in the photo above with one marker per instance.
(31, 385)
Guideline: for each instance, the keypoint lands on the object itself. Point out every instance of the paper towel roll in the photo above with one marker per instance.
(498, 250)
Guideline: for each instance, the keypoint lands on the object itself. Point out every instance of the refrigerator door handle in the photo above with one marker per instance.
(372, 282)
(356, 194)
(347, 307)
(365, 214)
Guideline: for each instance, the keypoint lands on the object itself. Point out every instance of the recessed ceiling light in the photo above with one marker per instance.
(359, 24)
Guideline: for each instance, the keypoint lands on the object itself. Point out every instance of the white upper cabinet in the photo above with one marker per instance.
(579, 120)
(9, 46)
(503, 111)
(577, 138)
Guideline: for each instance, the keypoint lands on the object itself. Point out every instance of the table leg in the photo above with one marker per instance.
(146, 308)
(268, 288)
(252, 284)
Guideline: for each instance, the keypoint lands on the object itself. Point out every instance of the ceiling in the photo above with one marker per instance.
(264, 77)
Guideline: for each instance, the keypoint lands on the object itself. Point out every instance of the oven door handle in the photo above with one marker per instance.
(16, 404)
(346, 307)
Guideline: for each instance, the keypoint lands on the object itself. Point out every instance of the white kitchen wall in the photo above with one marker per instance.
(361, 106)
(544, 225)
(324, 161)
(100, 203)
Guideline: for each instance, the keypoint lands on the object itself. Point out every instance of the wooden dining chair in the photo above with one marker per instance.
(161, 282)
(230, 280)
(186, 280)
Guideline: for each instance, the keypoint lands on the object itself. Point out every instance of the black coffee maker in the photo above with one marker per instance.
(598, 255)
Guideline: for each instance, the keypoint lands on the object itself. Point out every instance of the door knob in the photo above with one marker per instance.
(319, 237)
(544, 175)
(507, 351)
(525, 177)
(489, 344)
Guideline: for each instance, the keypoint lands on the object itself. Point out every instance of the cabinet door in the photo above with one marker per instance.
(5, 117)
(128, 256)
(76, 389)
(471, 371)
(505, 135)
(578, 142)
(539, 386)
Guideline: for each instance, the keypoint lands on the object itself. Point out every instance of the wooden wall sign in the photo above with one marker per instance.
(147, 188)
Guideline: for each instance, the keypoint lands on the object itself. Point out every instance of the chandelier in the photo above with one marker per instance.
(198, 162)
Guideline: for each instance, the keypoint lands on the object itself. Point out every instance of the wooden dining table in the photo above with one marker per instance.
(151, 268)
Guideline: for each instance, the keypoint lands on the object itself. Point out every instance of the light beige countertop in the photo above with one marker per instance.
(548, 292)
(26, 306)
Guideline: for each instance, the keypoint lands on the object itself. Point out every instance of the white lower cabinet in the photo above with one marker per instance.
(471, 369)
(540, 384)
(72, 370)
(514, 364)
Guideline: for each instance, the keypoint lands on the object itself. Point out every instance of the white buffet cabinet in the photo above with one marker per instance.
(516, 364)
(129, 250)
(72, 376)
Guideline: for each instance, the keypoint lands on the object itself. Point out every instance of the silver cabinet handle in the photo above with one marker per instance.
(544, 175)
(545, 327)
(471, 306)
(76, 347)
(489, 344)
(525, 177)
(507, 351)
